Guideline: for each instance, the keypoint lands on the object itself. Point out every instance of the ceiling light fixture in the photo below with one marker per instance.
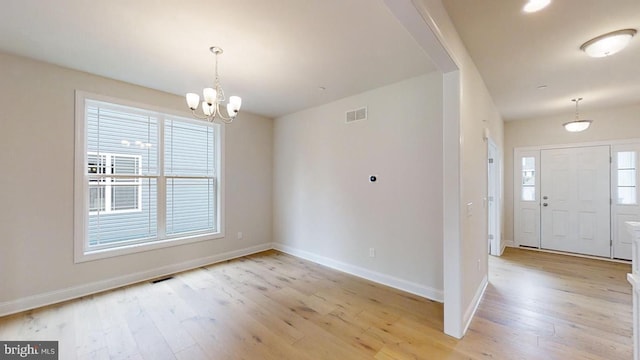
(577, 125)
(535, 5)
(608, 44)
(213, 97)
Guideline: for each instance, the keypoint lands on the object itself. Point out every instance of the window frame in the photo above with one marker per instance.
(82, 252)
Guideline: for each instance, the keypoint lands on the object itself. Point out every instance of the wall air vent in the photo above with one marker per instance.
(161, 279)
(356, 115)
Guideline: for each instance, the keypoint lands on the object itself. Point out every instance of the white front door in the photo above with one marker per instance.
(575, 211)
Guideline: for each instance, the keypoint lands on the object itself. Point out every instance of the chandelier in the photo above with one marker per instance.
(213, 98)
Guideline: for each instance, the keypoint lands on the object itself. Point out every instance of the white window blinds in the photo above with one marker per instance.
(190, 177)
(123, 141)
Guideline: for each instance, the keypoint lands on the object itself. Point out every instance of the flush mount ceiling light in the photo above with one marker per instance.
(535, 5)
(577, 125)
(608, 44)
(213, 98)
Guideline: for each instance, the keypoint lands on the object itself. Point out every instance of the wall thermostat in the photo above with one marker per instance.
(373, 178)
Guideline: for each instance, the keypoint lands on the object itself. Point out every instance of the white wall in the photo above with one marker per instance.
(466, 268)
(326, 209)
(609, 124)
(36, 187)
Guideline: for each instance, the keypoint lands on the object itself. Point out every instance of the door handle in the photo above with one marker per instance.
(545, 204)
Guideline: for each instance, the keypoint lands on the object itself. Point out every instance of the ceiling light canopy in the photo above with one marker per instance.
(577, 125)
(535, 5)
(608, 44)
(213, 98)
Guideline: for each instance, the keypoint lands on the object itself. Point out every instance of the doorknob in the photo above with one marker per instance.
(545, 204)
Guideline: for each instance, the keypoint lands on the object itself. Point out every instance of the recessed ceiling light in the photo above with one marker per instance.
(608, 44)
(535, 5)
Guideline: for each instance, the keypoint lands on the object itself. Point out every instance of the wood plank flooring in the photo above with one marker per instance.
(275, 306)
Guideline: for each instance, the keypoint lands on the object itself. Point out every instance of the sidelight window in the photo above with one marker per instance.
(626, 171)
(528, 190)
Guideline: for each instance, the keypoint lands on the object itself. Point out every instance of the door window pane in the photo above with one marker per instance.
(528, 179)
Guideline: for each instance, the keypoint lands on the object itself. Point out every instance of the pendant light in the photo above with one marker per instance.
(577, 125)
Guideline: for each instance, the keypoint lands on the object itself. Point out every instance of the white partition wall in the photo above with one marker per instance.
(633, 228)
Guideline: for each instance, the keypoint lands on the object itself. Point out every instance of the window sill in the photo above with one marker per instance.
(91, 255)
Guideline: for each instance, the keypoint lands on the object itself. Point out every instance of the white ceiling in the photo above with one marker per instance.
(276, 53)
(517, 52)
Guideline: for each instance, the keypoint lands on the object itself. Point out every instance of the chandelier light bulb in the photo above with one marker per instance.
(209, 95)
(207, 108)
(236, 101)
(193, 100)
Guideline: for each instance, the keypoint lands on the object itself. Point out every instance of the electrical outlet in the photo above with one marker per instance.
(240, 235)
(372, 252)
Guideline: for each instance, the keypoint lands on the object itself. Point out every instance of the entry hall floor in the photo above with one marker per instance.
(276, 306)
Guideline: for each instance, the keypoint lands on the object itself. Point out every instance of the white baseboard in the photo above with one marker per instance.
(394, 282)
(39, 300)
(504, 246)
(473, 307)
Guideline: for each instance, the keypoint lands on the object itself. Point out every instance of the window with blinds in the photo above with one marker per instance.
(147, 178)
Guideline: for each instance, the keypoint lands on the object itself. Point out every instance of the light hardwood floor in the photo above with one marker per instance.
(275, 306)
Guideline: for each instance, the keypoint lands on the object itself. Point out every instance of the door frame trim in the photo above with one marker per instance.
(575, 145)
(496, 247)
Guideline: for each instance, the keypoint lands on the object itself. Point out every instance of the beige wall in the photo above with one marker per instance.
(327, 210)
(609, 124)
(36, 185)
